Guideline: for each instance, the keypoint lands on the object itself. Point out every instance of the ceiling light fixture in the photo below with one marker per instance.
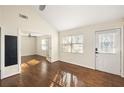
(42, 7)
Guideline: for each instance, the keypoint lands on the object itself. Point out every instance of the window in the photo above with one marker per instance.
(67, 44)
(73, 44)
(44, 44)
(77, 44)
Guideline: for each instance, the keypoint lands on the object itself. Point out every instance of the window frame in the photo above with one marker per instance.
(71, 44)
(42, 45)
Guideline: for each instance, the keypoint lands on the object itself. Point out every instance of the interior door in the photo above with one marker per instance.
(108, 51)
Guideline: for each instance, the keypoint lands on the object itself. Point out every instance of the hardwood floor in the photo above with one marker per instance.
(37, 72)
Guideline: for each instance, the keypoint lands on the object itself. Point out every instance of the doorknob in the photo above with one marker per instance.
(96, 50)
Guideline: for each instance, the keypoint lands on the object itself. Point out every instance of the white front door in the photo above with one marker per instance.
(108, 51)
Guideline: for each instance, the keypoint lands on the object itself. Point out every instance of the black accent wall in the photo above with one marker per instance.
(10, 50)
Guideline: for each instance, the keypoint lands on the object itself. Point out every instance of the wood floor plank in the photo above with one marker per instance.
(37, 72)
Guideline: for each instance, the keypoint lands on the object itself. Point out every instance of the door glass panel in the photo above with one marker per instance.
(106, 43)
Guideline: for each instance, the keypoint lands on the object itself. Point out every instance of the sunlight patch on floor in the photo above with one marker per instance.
(24, 65)
(33, 62)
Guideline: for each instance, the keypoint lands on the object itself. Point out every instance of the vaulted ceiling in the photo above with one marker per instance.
(64, 17)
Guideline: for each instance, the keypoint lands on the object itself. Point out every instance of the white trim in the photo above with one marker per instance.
(122, 51)
(10, 70)
(122, 76)
(19, 50)
(76, 64)
(2, 53)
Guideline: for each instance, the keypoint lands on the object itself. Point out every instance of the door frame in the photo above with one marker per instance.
(2, 53)
(121, 48)
(48, 57)
(4, 70)
(19, 50)
(20, 34)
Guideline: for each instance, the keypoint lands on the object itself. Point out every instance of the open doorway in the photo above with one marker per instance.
(28, 47)
(34, 49)
(44, 46)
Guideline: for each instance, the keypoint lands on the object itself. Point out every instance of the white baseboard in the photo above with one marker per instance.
(78, 65)
(122, 76)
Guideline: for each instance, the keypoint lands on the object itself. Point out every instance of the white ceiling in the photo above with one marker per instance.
(65, 17)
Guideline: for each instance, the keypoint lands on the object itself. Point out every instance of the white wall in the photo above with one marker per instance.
(0, 17)
(87, 59)
(0, 51)
(28, 46)
(12, 23)
(0, 39)
(54, 47)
